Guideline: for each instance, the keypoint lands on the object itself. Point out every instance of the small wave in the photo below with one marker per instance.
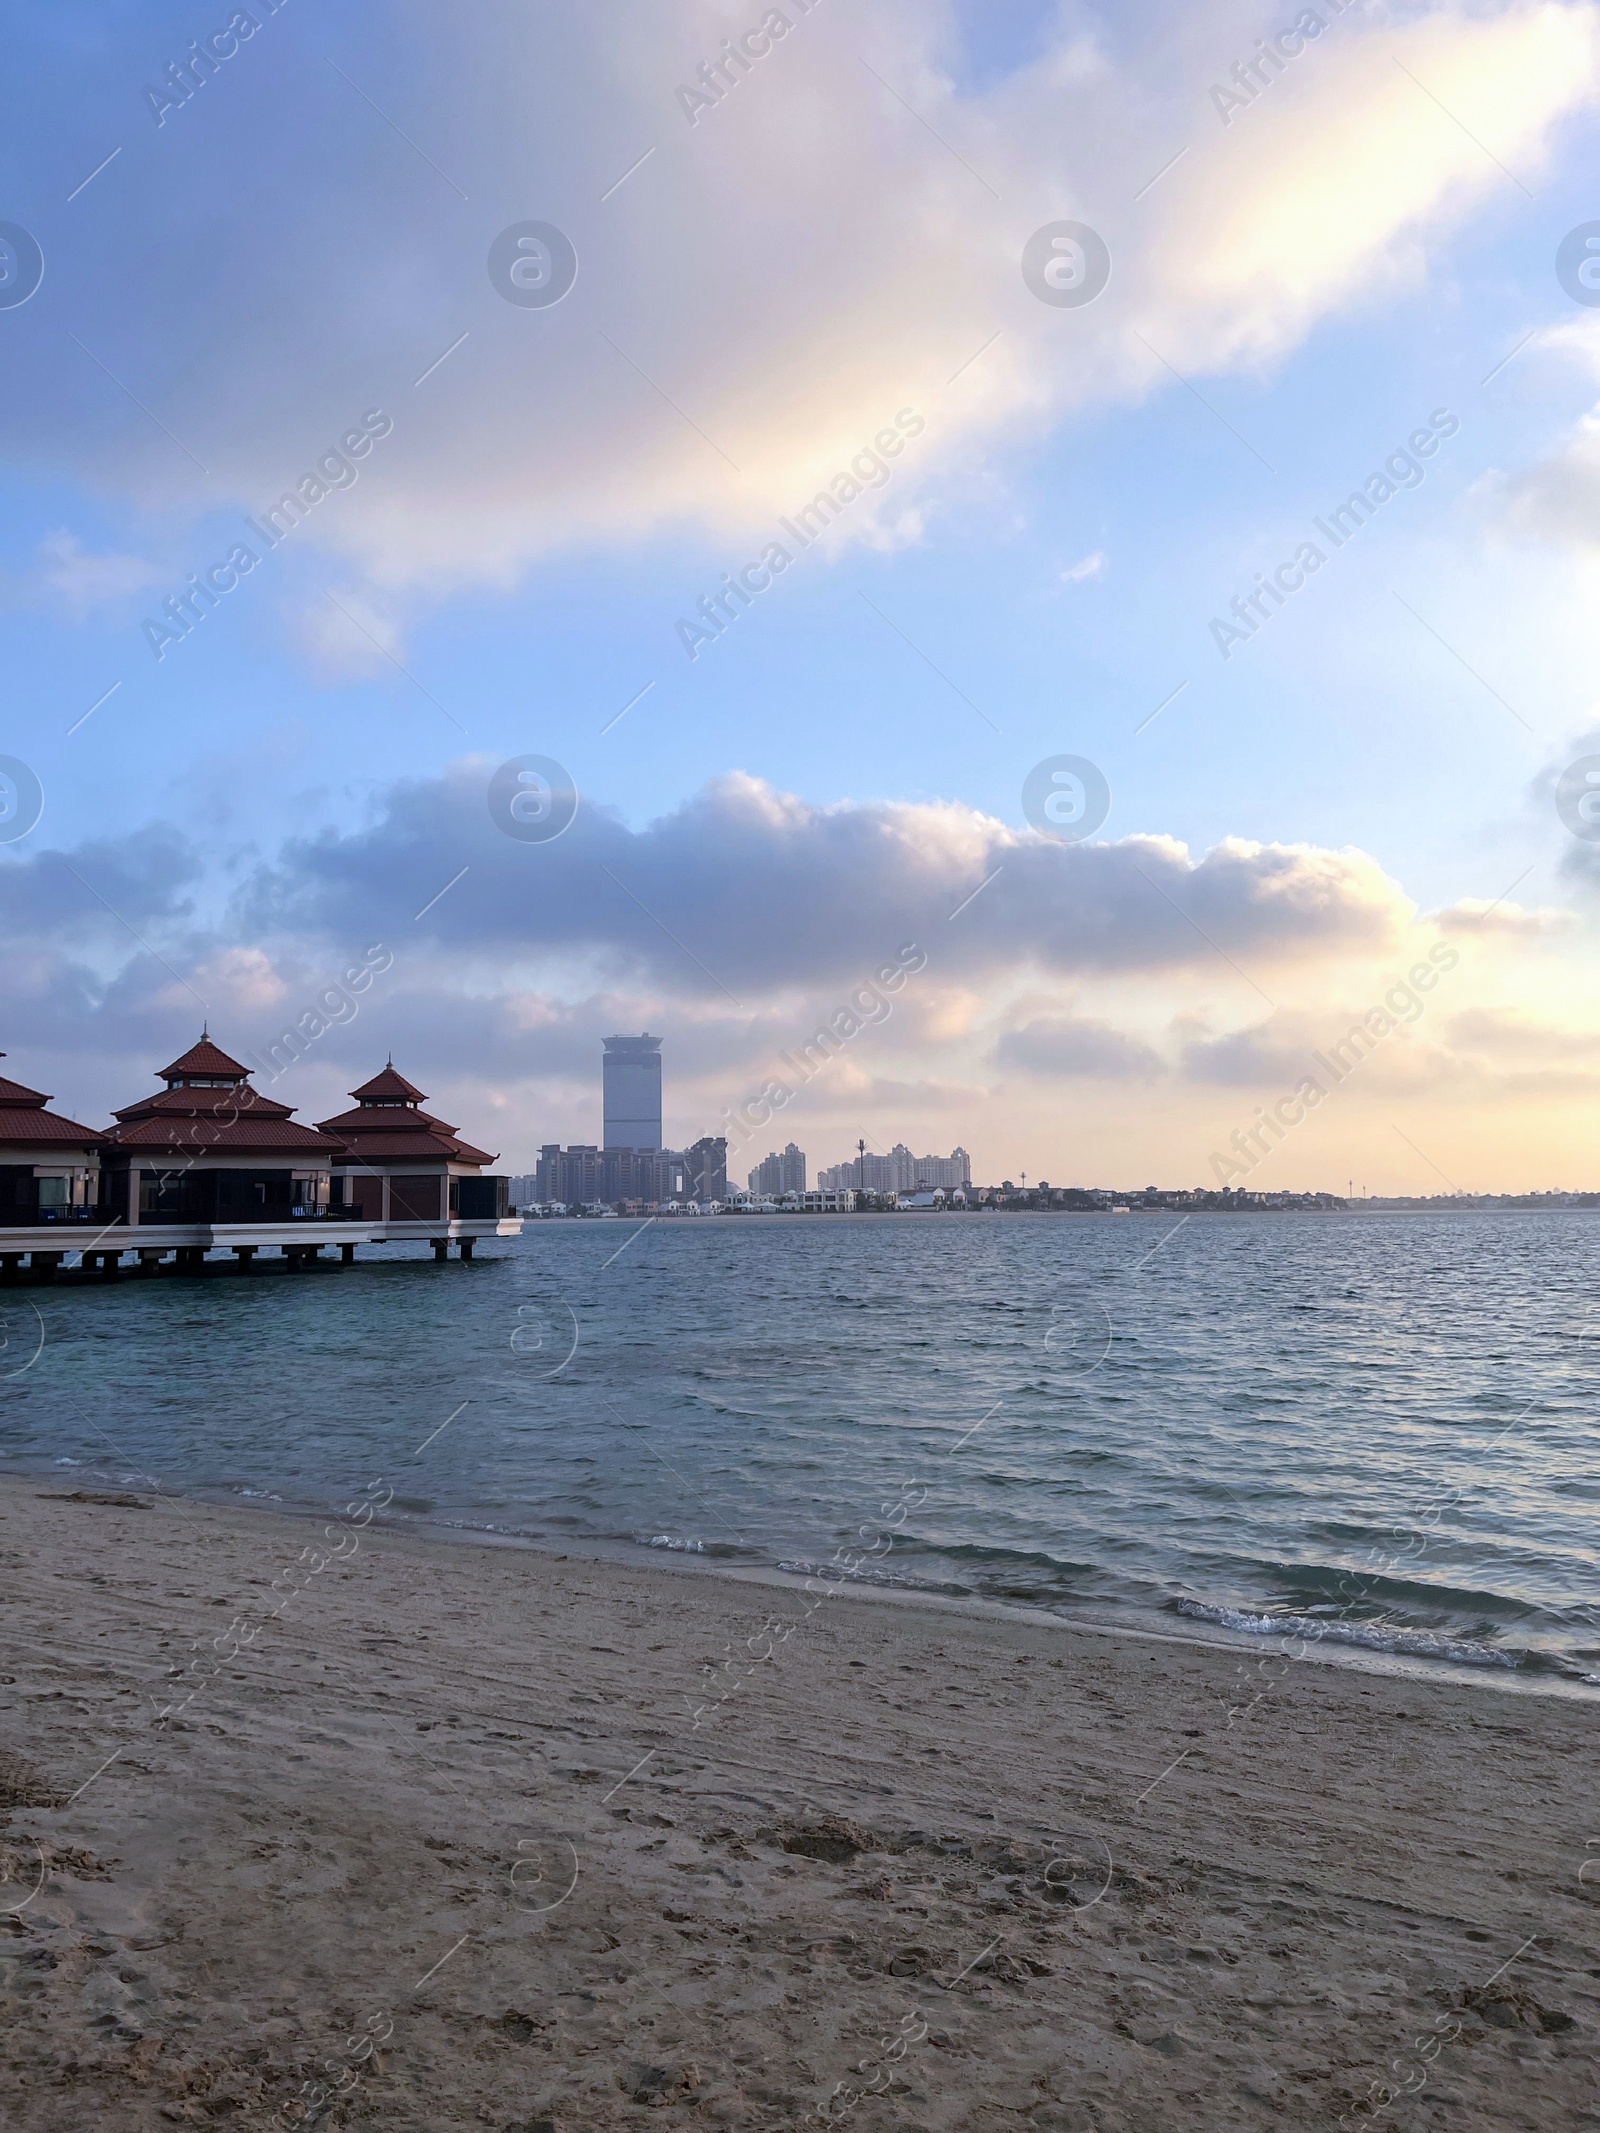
(671, 1540)
(866, 1574)
(1373, 1636)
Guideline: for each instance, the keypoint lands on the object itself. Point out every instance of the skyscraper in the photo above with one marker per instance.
(780, 1173)
(900, 1171)
(631, 1078)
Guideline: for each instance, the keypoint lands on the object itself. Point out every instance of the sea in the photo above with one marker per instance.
(1356, 1432)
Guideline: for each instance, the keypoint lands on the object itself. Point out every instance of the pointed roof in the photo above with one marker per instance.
(230, 1114)
(13, 1093)
(204, 1058)
(388, 1122)
(388, 1085)
(23, 1118)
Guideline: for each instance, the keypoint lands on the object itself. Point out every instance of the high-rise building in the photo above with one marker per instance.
(707, 1166)
(900, 1171)
(776, 1174)
(568, 1177)
(584, 1176)
(631, 1081)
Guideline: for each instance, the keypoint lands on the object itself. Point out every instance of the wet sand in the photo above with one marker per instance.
(404, 1834)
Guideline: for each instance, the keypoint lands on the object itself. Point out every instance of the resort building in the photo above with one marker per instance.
(395, 1163)
(208, 1163)
(210, 1148)
(49, 1165)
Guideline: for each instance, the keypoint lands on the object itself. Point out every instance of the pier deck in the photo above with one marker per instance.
(47, 1247)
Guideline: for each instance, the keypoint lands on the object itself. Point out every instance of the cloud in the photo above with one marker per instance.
(1501, 1034)
(1271, 1052)
(68, 578)
(1580, 855)
(349, 637)
(107, 887)
(1558, 498)
(744, 892)
(1092, 566)
(1280, 1051)
(1477, 916)
(722, 352)
(1067, 1045)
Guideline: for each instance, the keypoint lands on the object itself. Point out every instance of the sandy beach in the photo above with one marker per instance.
(338, 1825)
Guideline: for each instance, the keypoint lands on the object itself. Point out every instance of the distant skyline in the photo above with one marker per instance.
(540, 532)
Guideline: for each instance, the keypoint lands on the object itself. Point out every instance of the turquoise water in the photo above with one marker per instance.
(1382, 1428)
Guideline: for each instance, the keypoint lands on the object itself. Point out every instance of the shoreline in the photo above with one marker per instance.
(1154, 1624)
(474, 1802)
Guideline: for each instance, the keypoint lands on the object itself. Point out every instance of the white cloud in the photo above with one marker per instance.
(1499, 1033)
(1508, 921)
(350, 636)
(1091, 566)
(746, 892)
(756, 302)
(1071, 1046)
(68, 577)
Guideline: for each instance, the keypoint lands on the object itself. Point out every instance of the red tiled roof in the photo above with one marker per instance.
(237, 1119)
(203, 1103)
(377, 1146)
(32, 1122)
(388, 1082)
(201, 1136)
(23, 1117)
(205, 1058)
(385, 1130)
(385, 1118)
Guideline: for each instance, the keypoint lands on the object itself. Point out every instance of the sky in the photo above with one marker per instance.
(1085, 333)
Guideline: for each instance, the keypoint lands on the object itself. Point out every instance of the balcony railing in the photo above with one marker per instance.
(35, 1218)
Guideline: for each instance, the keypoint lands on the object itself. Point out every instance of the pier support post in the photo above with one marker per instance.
(441, 1249)
(465, 1247)
(347, 1255)
(44, 1264)
(149, 1259)
(190, 1258)
(246, 1256)
(9, 1262)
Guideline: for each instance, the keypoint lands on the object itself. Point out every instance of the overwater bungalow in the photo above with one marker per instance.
(208, 1163)
(403, 1166)
(49, 1165)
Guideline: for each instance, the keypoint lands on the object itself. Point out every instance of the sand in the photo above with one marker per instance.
(462, 1837)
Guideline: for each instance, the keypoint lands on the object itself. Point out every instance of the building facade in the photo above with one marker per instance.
(396, 1163)
(585, 1176)
(209, 1148)
(630, 1077)
(901, 1171)
(209, 1163)
(49, 1165)
(776, 1174)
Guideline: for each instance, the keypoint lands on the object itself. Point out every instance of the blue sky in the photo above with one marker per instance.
(837, 240)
